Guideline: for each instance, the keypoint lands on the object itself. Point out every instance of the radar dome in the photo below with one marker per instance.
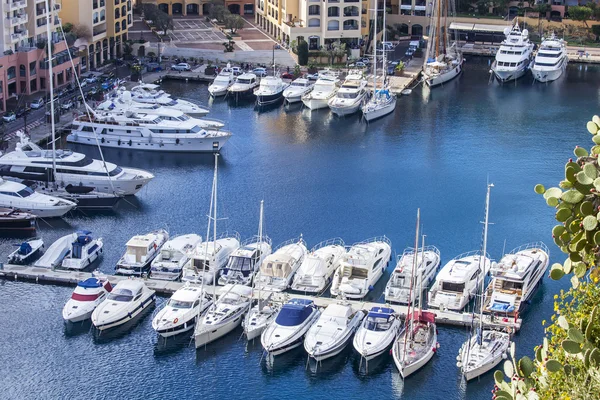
(126, 96)
(506, 31)
(525, 33)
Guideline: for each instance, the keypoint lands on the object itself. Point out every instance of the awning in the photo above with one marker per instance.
(490, 28)
(461, 26)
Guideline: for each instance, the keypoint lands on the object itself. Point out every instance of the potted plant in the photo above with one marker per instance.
(399, 70)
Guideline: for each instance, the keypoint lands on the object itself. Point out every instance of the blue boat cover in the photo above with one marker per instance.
(502, 306)
(90, 283)
(295, 312)
(24, 248)
(381, 312)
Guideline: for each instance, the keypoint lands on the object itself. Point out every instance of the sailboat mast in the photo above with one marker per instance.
(375, 49)
(260, 233)
(483, 256)
(51, 80)
(421, 275)
(383, 53)
(215, 226)
(212, 196)
(446, 27)
(437, 29)
(409, 316)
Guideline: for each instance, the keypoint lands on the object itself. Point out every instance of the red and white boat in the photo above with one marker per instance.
(85, 298)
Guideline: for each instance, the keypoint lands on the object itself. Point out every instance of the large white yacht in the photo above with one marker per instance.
(243, 86)
(551, 59)
(350, 96)
(245, 261)
(209, 258)
(169, 263)
(361, 267)
(221, 83)
(139, 253)
(325, 88)
(514, 55)
(18, 196)
(270, 90)
(151, 93)
(127, 300)
(318, 266)
(298, 88)
(179, 314)
(277, 269)
(398, 287)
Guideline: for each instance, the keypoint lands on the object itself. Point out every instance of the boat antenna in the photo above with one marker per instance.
(409, 316)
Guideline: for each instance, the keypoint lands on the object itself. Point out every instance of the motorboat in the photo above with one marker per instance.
(208, 258)
(224, 315)
(151, 93)
(56, 253)
(332, 331)
(551, 59)
(260, 316)
(180, 313)
(276, 272)
(417, 344)
(377, 332)
(127, 300)
(221, 83)
(21, 197)
(292, 322)
(86, 197)
(514, 55)
(397, 289)
(140, 251)
(324, 89)
(350, 95)
(16, 222)
(456, 283)
(298, 88)
(270, 90)
(483, 352)
(515, 278)
(85, 249)
(174, 254)
(361, 267)
(243, 86)
(30, 162)
(381, 103)
(314, 274)
(26, 252)
(245, 261)
(88, 294)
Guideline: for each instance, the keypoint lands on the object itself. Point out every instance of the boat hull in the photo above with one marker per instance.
(210, 334)
(544, 76)
(474, 373)
(263, 100)
(315, 104)
(178, 329)
(371, 114)
(179, 145)
(508, 76)
(217, 92)
(105, 325)
(341, 111)
(332, 351)
(440, 79)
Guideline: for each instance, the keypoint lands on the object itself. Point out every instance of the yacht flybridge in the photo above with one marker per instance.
(169, 263)
(245, 261)
(243, 86)
(141, 250)
(150, 93)
(551, 59)
(514, 55)
(398, 287)
(208, 258)
(350, 96)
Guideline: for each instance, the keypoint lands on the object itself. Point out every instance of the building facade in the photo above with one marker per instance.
(202, 7)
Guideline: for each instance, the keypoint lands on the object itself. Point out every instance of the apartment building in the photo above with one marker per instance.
(201, 7)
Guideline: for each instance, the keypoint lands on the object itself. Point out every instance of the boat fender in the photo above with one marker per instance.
(119, 142)
(434, 349)
(130, 142)
(177, 141)
(176, 320)
(371, 287)
(504, 356)
(129, 314)
(102, 140)
(437, 345)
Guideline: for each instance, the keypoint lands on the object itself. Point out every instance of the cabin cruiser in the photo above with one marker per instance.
(141, 250)
(245, 261)
(350, 96)
(15, 222)
(287, 331)
(208, 258)
(457, 281)
(169, 263)
(128, 299)
(377, 332)
(324, 89)
(30, 162)
(21, 197)
(86, 197)
(318, 266)
(179, 314)
(276, 272)
(398, 287)
(26, 252)
(150, 93)
(55, 254)
(244, 85)
(298, 88)
(332, 331)
(515, 278)
(417, 344)
(513, 57)
(85, 249)
(224, 315)
(260, 316)
(381, 103)
(270, 90)
(85, 298)
(221, 83)
(483, 352)
(360, 268)
(551, 59)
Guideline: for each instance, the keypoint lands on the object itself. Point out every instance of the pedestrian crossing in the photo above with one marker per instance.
(30, 126)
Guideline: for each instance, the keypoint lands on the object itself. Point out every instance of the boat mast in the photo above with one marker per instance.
(50, 23)
(409, 316)
(437, 30)
(375, 50)
(214, 259)
(421, 275)
(260, 233)
(383, 53)
(446, 28)
(212, 198)
(483, 256)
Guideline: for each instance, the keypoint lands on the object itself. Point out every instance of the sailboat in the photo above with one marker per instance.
(383, 101)
(485, 347)
(417, 344)
(443, 62)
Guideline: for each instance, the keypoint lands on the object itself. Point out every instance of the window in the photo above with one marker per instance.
(102, 15)
(22, 70)
(453, 287)
(314, 22)
(333, 25)
(350, 25)
(314, 10)
(123, 11)
(351, 11)
(117, 27)
(117, 13)
(32, 68)
(95, 19)
(123, 24)
(12, 73)
(333, 12)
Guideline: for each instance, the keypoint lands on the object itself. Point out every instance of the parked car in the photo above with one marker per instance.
(82, 82)
(91, 79)
(312, 77)
(38, 103)
(9, 117)
(359, 64)
(260, 72)
(236, 71)
(181, 67)
(22, 111)
(67, 105)
(287, 75)
(365, 60)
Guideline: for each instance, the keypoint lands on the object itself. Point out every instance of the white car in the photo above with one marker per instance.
(91, 79)
(39, 103)
(9, 117)
(236, 71)
(181, 67)
(67, 105)
(261, 72)
(359, 64)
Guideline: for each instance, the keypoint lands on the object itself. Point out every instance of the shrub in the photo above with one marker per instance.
(303, 52)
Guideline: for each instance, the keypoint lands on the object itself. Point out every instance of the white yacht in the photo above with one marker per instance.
(18, 196)
(145, 131)
(417, 344)
(332, 331)
(55, 254)
(324, 89)
(377, 332)
(26, 252)
(85, 249)
(151, 93)
(318, 266)
(551, 59)
(260, 316)
(298, 88)
(179, 314)
(245, 261)
(514, 55)
(30, 162)
(287, 331)
(140, 251)
(243, 86)
(456, 283)
(85, 298)
(361, 267)
(221, 83)
(270, 90)
(169, 263)
(398, 287)
(224, 315)
(126, 301)
(515, 278)
(350, 96)
(208, 258)
(276, 272)
(483, 352)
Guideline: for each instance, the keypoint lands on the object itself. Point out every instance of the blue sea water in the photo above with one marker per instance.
(322, 177)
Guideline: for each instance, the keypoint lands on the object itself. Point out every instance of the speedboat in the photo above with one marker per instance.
(56, 253)
(208, 258)
(350, 96)
(377, 332)
(140, 251)
(332, 331)
(381, 103)
(551, 59)
(270, 90)
(513, 57)
(173, 255)
(483, 352)
(221, 83)
(128, 299)
(277, 269)
(260, 316)
(417, 344)
(287, 331)
(244, 86)
(397, 289)
(456, 283)
(180, 313)
(245, 261)
(85, 249)
(361, 267)
(224, 315)
(15, 223)
(324, 89)
(26, 252)
(19, 196)
(298, 88)
(85, 298)
(150, 93)
(318, 266)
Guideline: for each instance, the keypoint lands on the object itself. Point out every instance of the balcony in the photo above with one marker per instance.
(40, 10)
(41, 22)
(99, 31)
(14, 21)
(17, 36)
(15, 5)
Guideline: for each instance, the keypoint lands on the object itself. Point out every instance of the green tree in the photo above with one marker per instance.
(163, 21)
(542, 9)
(218, 11)
(302, 52)
(234, 22)
(596, 31)
(580, 13)
(336, 50)
(67, 27)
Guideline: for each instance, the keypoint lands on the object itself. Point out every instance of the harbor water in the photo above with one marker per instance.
(322, 177)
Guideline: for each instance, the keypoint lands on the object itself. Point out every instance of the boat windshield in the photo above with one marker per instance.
(453, 287)
(240, 264)
(121, 295)
(322, 88)
(201, 265)
(180, 304)
(25, 192)
(183, 117)
(347, 95)
(300, 84)
(377, 324)
(244, 81)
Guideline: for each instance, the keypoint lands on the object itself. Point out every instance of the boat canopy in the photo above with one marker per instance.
(294, 313)
(422, 316)
(90, 283)
(25, 248)
(337, 310)
(279, 266)
(381, 312)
